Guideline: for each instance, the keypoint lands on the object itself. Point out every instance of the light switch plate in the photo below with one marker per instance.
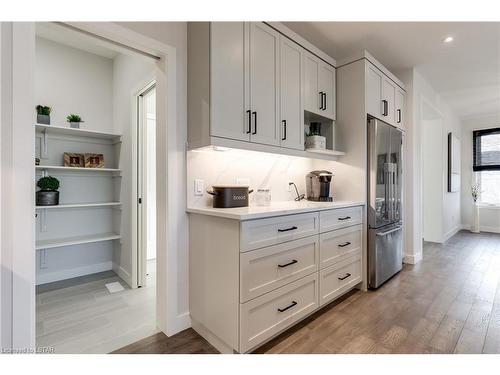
(199, 187)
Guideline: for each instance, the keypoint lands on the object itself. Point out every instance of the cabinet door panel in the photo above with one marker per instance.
(292, 114)
(264, 45)
(400, 108)
(228, 117)
(311, 87)
(389, 94)
(373, 91)
(327, 86)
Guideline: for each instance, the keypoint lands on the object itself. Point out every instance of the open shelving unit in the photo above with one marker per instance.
(90, 206)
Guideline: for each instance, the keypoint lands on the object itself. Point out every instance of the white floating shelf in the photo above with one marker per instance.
(77, 169)
(79, 205)
(51, 129)
(69, 241)
(325, 152)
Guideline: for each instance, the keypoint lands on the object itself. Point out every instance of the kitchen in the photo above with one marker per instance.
(293, 200)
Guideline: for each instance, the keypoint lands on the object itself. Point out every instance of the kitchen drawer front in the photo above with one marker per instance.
(340, 218)
(340, 244)
(272, 267)
(261, 317)
(338, 278)
(255, 234)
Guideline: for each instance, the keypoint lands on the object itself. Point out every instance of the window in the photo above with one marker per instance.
(486, 154)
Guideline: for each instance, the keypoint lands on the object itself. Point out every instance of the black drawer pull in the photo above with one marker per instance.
(288, 264)
(345, 277)
(344, 244)
(288, 307)
(287, 229)
(344, 218)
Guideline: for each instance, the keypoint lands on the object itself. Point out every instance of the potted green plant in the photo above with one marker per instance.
(74, 120)
(314, 139)
(48, 195)
(43, 114)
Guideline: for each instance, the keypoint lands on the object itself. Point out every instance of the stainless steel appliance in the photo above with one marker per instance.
(318, 186)
(385, 177)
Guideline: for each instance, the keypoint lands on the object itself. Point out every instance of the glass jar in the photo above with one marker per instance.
(263, 197)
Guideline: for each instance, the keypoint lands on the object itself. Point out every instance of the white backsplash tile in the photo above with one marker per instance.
(261, 169)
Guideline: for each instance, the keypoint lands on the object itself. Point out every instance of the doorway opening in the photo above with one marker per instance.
(146, 184)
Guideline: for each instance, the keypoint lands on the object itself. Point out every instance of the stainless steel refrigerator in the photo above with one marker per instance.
(385, 182)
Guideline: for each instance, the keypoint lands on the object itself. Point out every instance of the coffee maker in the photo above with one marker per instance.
(318, 186)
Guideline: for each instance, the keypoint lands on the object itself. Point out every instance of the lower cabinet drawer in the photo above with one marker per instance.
(340, 244)
(272, 267)
(265, 316)
(338, 278)
(340, 218)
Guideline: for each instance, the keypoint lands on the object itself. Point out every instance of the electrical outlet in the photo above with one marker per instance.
(243, 181)
(199, 187)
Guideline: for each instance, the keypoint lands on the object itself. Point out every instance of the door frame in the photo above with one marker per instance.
(170, 318)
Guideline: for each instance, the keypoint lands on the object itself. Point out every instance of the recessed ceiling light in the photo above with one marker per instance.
(448, 39)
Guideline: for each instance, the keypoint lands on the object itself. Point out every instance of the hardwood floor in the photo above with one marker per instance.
(447, 303)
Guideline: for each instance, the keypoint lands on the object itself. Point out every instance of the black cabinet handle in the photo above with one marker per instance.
(345, 277)
(288, 307)
(399, 116)
(249, 130)
(288, 264)
(324, 103)
(287, 229)
(386, 107)
(254, 123)
(284, 130)
(344, 244)
(321, 99)
(344, 218)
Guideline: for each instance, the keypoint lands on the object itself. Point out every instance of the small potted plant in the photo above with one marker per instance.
(314, 139)
(74, 121)
(475, 190)
(43, 114)
(48, 194)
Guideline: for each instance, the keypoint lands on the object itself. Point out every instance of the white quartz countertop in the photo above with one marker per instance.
(275, 209)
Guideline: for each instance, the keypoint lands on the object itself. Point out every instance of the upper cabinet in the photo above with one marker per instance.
(251, 84)
(384, 98)
(319, 83)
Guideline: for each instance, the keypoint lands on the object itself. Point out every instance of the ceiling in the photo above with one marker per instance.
(466, 72)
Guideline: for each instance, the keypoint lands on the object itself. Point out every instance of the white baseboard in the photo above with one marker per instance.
(178, 324)
(50, 277)
(451, 233)
(412, 259)
(123, 274)
(482, 228)
(465, 226)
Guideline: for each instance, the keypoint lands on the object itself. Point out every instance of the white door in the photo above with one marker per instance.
(264, 47)
(228, 97)
(374, 91)
(388, 100)
(326, 77)
(292, 115)
(399, 108)
(312, 97)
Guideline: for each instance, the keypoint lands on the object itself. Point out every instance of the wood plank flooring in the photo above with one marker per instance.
(447, 303)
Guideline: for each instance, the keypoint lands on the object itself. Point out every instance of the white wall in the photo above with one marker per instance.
(74, 81)
(489, 217)
(130, 75)
(420, 94)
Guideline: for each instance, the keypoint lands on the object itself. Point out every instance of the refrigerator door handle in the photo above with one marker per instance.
(382, 234)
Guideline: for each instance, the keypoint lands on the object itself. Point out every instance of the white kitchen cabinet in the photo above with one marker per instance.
(264, 55)
(228, 86)
(292, 115)
(384, 98)
(400, 108)
(319, 84)
(388, 100)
